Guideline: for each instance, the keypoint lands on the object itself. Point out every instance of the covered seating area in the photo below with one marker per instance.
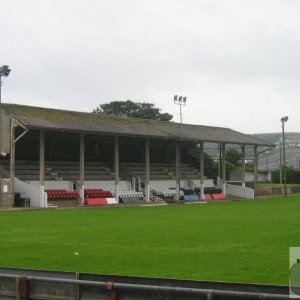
(82, 152)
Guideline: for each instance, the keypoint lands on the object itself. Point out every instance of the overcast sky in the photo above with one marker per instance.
(236, 61)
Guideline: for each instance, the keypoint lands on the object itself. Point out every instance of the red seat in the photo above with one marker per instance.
(61, 194)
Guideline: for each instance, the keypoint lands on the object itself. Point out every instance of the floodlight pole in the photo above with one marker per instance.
(0, 88)
(283, 120)
(267, 156)
(180, 100)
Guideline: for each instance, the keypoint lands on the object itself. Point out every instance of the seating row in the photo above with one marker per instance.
(97, 193)
(165, 192)
(61, 194)
(209, 190)
(210, 193)
(130, 193)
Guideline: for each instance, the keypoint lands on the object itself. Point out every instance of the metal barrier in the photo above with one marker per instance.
(24, 286)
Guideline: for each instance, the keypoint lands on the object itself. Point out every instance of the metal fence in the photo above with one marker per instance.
(42, 285)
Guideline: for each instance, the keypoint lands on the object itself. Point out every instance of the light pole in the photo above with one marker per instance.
(267, 155)
(180, 100)
(4, 72)
(283, 120)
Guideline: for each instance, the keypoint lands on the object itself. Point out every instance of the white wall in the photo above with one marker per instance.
(239, 191)
(54, 184)
(88, 184)
(106, 184)
(207, 182)
(29, 191)
(160, 184)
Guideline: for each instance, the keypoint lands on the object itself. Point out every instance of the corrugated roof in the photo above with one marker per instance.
(61, 120)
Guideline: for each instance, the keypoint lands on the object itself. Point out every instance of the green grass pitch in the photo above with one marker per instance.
(234, 241)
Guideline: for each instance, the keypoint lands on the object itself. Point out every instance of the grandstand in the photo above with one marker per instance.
(49, 155)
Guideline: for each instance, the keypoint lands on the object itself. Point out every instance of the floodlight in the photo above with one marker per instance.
(4, 71)
(180, 100)
(284, 119)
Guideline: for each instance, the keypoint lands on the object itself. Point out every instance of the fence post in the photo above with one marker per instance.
(209, 296)
(22, 288)
(110, 287)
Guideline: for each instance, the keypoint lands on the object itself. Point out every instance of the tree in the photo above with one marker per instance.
(132, 109)
(211, 168)
(233, 156)
(233, 161)
(292, 176)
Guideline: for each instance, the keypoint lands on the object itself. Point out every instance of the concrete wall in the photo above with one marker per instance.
(106, 184)
(29, 191)
(110, 184)
(239, 191)
(54, 184)
(160, 184)
(207, 182)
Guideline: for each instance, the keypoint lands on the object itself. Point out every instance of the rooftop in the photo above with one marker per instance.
(81, 122)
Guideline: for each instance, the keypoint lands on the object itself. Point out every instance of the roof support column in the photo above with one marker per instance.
(12, 162)
(243, 179)
(43, 199)
(147, 170)
(116, 160)
(178, 162)
(223, 175)
(255, 170)
(81, 169)
(202, 195)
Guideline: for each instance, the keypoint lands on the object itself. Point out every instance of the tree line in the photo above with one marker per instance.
(130, 109)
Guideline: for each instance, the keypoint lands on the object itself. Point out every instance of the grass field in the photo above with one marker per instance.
(237, 241)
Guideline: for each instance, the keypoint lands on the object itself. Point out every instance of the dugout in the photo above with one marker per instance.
(109, 145)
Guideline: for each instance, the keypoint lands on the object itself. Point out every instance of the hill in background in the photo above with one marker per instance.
(271, 160)
(292, 139)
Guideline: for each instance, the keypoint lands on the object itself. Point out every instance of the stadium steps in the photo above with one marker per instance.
(27, 170)
(162, 171)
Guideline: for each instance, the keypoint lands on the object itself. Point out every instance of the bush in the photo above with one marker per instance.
(292, 176)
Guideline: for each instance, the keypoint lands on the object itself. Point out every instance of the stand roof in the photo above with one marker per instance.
(81, 122)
